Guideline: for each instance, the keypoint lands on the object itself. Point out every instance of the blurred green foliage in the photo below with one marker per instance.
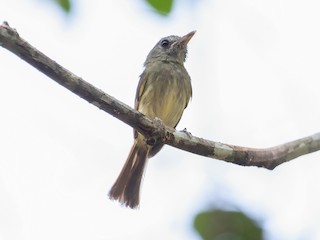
(226, 225)
(65, 5)
(163, 7)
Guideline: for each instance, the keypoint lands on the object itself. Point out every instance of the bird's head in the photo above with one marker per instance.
(170, 49)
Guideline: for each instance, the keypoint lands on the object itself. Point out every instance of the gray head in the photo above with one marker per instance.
(170, 49)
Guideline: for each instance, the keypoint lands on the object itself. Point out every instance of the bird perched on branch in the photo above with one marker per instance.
(163, 92)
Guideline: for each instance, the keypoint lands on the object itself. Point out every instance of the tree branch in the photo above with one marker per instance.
(153, 130)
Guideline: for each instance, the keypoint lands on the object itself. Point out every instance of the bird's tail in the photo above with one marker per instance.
(126, 189)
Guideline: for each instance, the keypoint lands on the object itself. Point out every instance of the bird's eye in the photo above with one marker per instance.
(164, 43)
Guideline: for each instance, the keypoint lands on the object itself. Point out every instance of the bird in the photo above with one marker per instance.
(164, 91)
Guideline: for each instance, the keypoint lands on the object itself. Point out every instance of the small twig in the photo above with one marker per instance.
(268, 158)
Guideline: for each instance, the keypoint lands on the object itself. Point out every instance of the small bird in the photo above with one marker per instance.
(163, 92)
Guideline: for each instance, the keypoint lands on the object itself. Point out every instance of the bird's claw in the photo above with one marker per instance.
(187, 133)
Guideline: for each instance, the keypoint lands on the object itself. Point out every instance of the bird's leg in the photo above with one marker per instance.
(157, 135)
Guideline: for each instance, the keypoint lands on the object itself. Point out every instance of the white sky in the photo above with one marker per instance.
(255, 72)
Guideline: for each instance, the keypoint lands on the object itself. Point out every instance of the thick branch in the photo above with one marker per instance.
(268, 158)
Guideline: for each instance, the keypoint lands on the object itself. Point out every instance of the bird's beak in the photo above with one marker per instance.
(183, 41)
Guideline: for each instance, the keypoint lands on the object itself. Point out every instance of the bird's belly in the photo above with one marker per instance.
(167, 105)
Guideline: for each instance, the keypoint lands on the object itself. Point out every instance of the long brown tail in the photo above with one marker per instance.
(126, 189)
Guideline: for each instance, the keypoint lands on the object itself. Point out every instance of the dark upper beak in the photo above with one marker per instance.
(186, 38)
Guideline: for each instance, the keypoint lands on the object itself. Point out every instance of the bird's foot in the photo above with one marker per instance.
(157, 135)
(187, 133)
